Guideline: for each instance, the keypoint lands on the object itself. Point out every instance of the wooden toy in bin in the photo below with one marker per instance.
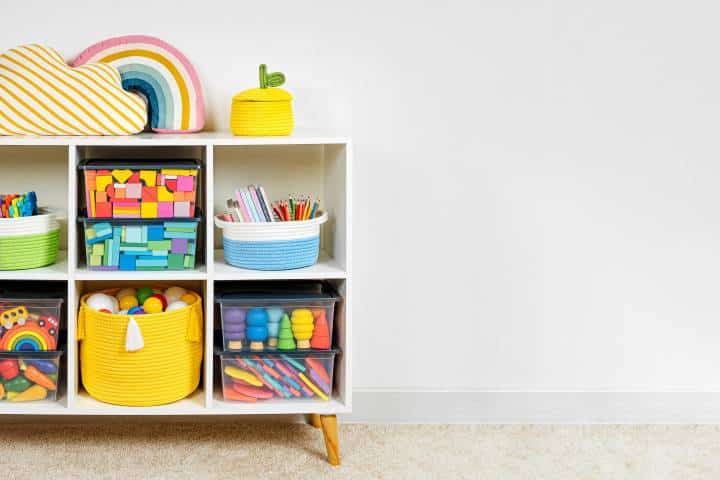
(264, 111)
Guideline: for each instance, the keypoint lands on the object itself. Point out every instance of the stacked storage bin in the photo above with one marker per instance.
(29, 340)
(140, 215)
(277, 341)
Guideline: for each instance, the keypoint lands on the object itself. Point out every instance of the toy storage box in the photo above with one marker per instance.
(314, 301)
(132, 244)
(29, 376)
(29, 324)
(250, 377)
(140, 189)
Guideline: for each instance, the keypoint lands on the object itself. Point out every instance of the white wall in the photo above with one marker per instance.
(557, 161)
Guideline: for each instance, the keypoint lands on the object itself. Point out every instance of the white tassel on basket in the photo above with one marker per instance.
(133, 337)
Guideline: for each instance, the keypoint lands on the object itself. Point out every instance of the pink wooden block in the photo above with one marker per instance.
(165, 209)
(185, 184)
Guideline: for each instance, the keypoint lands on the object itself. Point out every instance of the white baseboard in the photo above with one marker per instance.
(384, 406)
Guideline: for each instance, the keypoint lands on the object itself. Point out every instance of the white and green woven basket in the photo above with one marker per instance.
(29, 242)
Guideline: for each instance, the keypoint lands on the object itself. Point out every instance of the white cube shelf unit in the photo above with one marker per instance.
(303, 162)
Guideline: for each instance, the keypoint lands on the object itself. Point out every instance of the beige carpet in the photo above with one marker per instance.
(296, 452)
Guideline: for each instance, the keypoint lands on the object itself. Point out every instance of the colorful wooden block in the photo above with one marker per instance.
(182, 209)
(102, 181)
(120, 192)
(110, 191)
(133, 234)
(122, 176)
(164, 245)
(171, 183)
(179, 245)
(134, 178)
(176, 262)
(164, 195)
(149, 209)
(185, 183)
(149, 194)
(179, 196)
(127, 262)
(155, 232)
(149, 177)
(103, 209)
(101, 197)
(165, 209)
(133, 190)
(160, 179)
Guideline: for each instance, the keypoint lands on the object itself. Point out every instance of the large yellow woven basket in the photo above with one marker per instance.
(164, 370)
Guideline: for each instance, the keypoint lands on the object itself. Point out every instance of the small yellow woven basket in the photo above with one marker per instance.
(164, 370)
(264, 111)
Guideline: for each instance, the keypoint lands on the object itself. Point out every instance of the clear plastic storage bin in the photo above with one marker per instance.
(284, 318)
(249, 377)
(29, 324)
(29, 376)
(140, 244)
(140, 189)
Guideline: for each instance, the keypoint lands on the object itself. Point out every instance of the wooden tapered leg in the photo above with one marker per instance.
(314, 419)
(330, 432)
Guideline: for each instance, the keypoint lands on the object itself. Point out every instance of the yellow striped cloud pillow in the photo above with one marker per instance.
(41, 95)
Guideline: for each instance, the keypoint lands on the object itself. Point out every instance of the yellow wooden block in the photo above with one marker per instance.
(92, 206)
(102, 182)
(149, 209)
(164, 195)
(122, 175)
(149, 177)
(177, 172)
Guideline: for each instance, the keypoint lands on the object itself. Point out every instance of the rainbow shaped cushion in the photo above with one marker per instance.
(161, 74)
(41, 95)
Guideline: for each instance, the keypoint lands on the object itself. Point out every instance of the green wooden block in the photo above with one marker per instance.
(95, 260)
(176, 261)
(98, 249)
(189, 261)
(159, 245)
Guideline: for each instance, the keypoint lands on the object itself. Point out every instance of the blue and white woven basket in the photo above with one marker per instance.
(272, 246)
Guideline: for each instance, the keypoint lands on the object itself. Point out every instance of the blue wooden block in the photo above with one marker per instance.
(133, 234)
(127, 262)
(155, 232)
(152, 261)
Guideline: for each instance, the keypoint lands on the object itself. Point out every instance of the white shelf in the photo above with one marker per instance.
(321, 163)
(325, 268)
(282, 407)
(300, 137)
(83, 273)
(58, 271)
(43, 407)
(86, 405)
